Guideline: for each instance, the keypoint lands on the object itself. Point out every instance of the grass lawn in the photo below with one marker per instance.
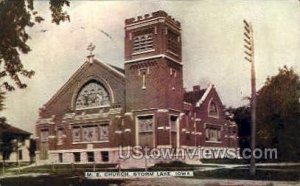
(73, 175)
(243, 174)
(56, 180)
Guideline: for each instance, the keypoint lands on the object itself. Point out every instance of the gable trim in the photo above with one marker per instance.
(86, 63)
(111, 68)
(203, 98)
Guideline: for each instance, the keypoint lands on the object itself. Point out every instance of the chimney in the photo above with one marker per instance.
(196, 88)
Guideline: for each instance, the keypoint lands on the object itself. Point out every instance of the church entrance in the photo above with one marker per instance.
(145, 130)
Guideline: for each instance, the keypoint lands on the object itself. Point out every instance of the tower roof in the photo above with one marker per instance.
(146, 17)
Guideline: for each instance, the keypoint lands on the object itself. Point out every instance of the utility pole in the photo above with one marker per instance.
(249, 51)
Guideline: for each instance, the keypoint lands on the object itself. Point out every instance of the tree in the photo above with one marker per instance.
(15, 17)
(242, 117)
(278, 114)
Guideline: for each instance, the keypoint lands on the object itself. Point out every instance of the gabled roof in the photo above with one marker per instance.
(9, 129)
(118, 69)
(193, 96)
(197, 97)
(114, 69)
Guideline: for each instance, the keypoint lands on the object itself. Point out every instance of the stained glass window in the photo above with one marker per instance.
(92, 94)
(90, 133)
(104, 132)
(76, 134)
(212, 110)
(145, 123)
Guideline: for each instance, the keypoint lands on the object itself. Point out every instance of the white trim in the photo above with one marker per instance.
(187, 103)
(88, 142)
(198, 104)
(162, 110)
(94, 107)
(160, 128)
(110, 67)
(152, 21)
(142, 52)
(141, 23)
(164, 146)
(172, 53)
(118, 132)
(213, 141)
(153, 57)
(127, 130)
(51, 136)
(83, 150)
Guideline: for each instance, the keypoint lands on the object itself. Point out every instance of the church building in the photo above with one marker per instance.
(102, 107)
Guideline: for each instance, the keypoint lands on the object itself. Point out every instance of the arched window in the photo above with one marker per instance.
(212, 109)
(92, 94)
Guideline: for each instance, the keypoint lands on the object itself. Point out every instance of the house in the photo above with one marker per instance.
(102, 107)
(15, 144)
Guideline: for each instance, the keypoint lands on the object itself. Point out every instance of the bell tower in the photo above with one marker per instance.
(154, 83)
(153, 65)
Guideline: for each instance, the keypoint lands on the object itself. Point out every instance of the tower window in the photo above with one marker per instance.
(173, 42)
(142, 43)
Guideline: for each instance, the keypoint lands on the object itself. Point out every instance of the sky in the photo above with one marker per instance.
(212, 36)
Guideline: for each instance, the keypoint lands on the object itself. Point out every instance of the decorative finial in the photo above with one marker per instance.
(91, 47)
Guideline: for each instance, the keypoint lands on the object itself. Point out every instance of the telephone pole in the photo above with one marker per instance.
(249, 51)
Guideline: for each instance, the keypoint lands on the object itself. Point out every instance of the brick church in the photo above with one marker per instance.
(102, 107)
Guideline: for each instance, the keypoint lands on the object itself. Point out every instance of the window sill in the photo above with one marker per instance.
(104, 141)
(213, 141)
(95, 107)
(142, 52)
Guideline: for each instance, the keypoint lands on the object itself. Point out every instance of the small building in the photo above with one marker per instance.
(15, 144)
(102, 107)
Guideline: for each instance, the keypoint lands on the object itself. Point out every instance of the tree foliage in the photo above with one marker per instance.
(278, 114)
(242, 117)
(15, 17)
